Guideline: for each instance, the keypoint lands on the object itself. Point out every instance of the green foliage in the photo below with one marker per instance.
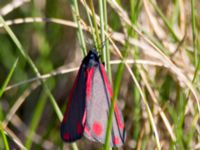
(155, 75)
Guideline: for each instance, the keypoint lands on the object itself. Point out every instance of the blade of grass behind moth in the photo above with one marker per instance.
(194, 32)
(37, 114)
(95, 25)
(101, 13)
(103, 29)
(76, 16)
(1, 93)
(175, 36)
(107, 51)
(33, 67)
(91, 25)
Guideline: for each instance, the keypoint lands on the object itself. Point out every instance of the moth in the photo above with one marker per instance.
(88, 106)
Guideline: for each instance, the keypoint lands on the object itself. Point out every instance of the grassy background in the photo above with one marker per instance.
(151, 54)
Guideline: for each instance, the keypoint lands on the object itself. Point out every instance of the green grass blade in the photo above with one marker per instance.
(8, 77)
(5, 140)
(107, 55)
(91, 26)
(194, 32)
(95, 25)
(103, 50)
(35, 119)
(76, 15)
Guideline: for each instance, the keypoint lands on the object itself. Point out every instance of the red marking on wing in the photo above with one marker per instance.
(116, 140)
(79, 128)
(107, 82)
(84, 118)
(90, 73)
(70, 97)
(119, 122)
(66, 136)
(97, 128)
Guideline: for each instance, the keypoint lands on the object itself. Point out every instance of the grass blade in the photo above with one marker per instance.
(35, 119)
(194, 32)
(8, 78)
(5, 140)
(95, 25)
(76, 16)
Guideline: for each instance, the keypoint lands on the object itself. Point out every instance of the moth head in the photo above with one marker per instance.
(92, 58)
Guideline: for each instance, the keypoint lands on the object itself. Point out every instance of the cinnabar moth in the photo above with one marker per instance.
(88, 106)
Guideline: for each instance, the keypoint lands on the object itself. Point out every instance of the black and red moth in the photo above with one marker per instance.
(88, 106)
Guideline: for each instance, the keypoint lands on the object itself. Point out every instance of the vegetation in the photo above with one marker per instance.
(150, 49)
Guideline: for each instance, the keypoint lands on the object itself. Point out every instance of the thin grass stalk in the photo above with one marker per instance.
(8, 78)
(194, 32)
(91, 26)
(176, 12)
(107, 55)
(193, 81)
(95, 26)
(35, 119)
(76, 16)
(33, 67)
(5, 141)
(103, 50)
(165, 21)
